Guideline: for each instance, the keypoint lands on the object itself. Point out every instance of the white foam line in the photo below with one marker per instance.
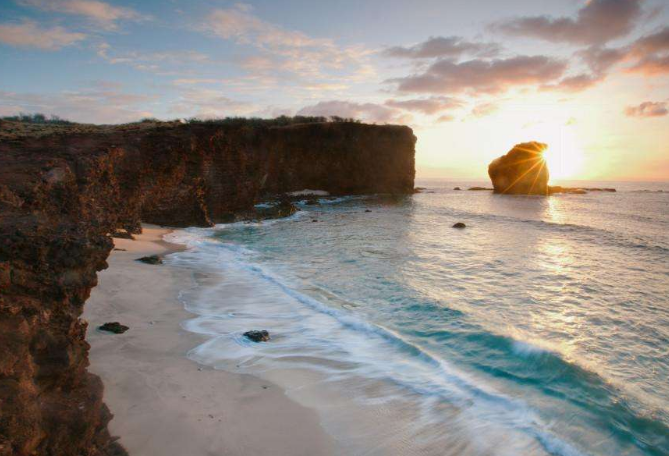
(515, 411)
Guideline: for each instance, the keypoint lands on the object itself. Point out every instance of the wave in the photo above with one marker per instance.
(526, 364)
(597, 235)
(440, 378)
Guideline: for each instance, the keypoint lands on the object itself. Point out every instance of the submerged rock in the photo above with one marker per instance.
(152, 259)
(457, 188)
(368, 210)
(552, 189)
(460, 225)
(522, 171)
(114, 327)
(257, 336)
(479, 189)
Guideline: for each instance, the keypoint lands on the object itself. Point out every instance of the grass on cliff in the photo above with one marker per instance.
(36, 125)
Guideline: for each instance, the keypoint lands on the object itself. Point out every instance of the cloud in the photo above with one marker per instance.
(238, 23)
(648, 109)
(452, 47)
(601, 59)
(428, 106)
(652, 53)
(446, 118)
(653, 43)
(598, 22)
(163, 62)
(484, 109)
(283, 50)
(652, 66)
(370, 112)
(577, 83)
(208, 103)
(103, 14)
(482, 76)
(28, 34)
(102, 102)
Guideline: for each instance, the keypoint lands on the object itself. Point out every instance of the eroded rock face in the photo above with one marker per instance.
(62, 195)
(522, 171)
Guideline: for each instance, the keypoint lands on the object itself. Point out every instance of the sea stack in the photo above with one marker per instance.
(522, 171)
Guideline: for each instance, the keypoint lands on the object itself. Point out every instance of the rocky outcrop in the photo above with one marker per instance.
(522, 171)
(63, 194)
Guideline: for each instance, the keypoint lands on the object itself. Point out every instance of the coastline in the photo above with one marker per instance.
(164, 403)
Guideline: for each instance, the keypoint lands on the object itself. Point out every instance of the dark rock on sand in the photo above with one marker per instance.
(153, 259)
(257, 336)
(460, 225)
(522, 171)
(457, 188)
(479, 189)
(115, 327)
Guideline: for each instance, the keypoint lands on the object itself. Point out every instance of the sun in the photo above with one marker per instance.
(564, 156)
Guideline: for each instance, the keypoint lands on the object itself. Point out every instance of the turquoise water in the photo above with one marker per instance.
(541, 328)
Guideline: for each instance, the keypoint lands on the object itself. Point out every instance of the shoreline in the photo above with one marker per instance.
(163, 402)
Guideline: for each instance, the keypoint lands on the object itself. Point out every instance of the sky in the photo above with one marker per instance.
(472, 78)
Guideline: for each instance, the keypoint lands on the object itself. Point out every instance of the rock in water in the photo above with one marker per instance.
(153, 259)
(257, 336)
(115, 327)
(457, 188)
(460, 225)
(522, 171)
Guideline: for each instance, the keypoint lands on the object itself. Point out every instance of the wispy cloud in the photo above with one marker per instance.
(439, 46)
(428, 106)
(480, 76)
(598, 22)
(163, 62)
(30, 35)
(484, 109)
(648, 109)
(286, 50)
(102, 13)
(370, 112)
(101, 102)
(209, 103)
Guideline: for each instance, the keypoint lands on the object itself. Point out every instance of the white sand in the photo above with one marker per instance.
(165, 404)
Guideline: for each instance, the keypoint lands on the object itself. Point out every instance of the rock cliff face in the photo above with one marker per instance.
(522, 171)
(62, 194)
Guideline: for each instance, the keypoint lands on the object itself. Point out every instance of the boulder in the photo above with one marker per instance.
(257, 336)
(522, 171)
(152, 259)
(459, 225)
(114, 327)
(457, 188)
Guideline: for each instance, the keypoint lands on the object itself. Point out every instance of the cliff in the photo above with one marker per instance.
(61, 195)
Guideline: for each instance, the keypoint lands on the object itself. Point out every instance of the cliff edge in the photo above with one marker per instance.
(62, 193)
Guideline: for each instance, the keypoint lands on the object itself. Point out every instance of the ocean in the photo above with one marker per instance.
(540, 328)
